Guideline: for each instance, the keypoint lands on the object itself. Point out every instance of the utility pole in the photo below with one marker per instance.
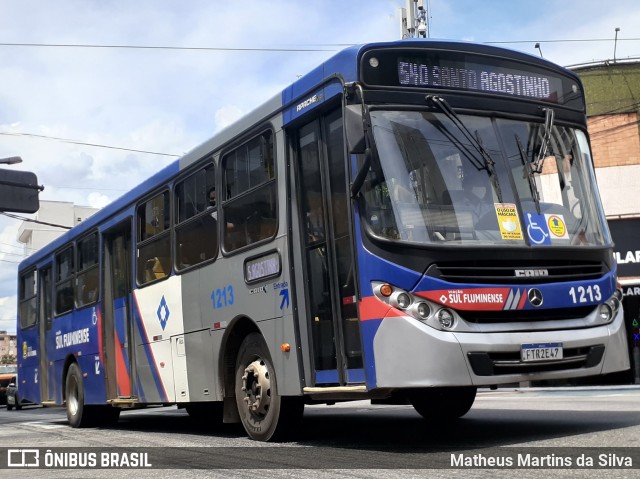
(413, 20)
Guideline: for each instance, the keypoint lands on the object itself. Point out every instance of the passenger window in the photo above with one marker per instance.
(64, 281)
(28, 291)
(196, 212)
(249, 209)
(154, 246)
(88, 275)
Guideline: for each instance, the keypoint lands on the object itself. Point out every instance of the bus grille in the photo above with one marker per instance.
(525, 315)
(504, 272)
(496, 364)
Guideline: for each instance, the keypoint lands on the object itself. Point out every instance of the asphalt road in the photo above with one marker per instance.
(363, 440)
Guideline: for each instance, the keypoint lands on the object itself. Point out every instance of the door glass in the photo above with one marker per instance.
(46, 315)
(319, 290)
(342, 241)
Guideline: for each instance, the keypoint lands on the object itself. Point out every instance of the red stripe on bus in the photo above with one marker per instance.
(122, 375)
(372, 308)
(523, 299)
(143, 333)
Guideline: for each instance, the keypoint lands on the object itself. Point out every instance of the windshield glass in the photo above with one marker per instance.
(432, 183)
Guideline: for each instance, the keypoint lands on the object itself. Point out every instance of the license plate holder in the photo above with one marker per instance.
(538, 352)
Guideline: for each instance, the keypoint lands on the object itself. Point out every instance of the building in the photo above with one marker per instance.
(35, 235)
(613, 106)
(7, 344)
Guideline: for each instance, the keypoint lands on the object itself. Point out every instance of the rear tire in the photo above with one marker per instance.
(265, 415)
(17, 403)
(9, 407)
(444, 403)
(78, 414)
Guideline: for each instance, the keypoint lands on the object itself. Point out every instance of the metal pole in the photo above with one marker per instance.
(11, 160)
(615, 44)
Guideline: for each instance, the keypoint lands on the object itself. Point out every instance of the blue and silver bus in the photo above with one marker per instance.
(406, 223)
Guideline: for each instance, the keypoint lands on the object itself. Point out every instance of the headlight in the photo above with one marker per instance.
(423, 310)
(605, 312)
(446, 318)
(403, 300)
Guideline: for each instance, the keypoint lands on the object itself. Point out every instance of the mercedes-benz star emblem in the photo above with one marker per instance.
(535, 297)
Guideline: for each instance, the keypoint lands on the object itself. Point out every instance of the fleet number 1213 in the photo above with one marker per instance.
(585, 295)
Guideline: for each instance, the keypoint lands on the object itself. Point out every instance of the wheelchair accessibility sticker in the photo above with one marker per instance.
(537, 229)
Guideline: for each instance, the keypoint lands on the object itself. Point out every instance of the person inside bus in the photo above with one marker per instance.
(213, 203)
(476, 190)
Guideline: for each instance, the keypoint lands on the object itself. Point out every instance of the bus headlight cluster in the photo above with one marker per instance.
(414, 306)
(609, 309)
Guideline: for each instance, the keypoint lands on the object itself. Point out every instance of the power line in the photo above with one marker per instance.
(568, 40)
(30, 220)
(307, 48)
(7, 261)
(170, 47)
(14, 254)
(97, 145)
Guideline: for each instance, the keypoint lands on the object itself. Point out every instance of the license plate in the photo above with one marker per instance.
(541, 352)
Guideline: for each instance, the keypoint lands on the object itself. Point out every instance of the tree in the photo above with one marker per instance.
(7, 359)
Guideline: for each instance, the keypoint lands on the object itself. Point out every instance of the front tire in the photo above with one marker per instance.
(444, 403)
(265, 415)
(78, 414)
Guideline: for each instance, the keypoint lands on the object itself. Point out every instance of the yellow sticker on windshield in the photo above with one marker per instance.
(508, 221)
(557, 226)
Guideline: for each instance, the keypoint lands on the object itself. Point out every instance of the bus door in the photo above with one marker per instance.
(328, 252)
(117, 325)
(45, 316)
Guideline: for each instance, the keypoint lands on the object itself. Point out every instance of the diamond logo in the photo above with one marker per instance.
(443, 299)
(163, 313)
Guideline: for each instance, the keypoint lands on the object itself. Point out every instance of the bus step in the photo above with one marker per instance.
(336, 389)
(124, 402)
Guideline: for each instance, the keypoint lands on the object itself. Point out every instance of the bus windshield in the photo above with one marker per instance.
(432, 182)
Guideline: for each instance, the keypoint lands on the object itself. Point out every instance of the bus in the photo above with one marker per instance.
(406, 223)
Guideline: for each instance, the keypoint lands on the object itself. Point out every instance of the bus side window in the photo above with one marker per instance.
(65, 270)
(28, 292)
(250, 204)
(196, 214)
(88, 275)
(154, 245)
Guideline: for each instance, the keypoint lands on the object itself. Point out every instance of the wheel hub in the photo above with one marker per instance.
(256, 386)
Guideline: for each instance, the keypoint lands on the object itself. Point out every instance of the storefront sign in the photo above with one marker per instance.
(626, 236)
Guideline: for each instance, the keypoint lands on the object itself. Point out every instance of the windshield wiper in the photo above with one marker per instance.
(528, 172)
(538, 163)
(487, 161)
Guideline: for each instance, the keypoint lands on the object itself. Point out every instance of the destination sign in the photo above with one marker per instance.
(476, 77)
(451, 70)
(262, 267)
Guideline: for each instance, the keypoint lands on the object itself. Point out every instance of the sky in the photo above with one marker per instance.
(170, 100)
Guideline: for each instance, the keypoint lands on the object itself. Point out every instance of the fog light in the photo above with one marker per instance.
(445, 318)
(423, 310)
(403, 300)
(605, 312)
